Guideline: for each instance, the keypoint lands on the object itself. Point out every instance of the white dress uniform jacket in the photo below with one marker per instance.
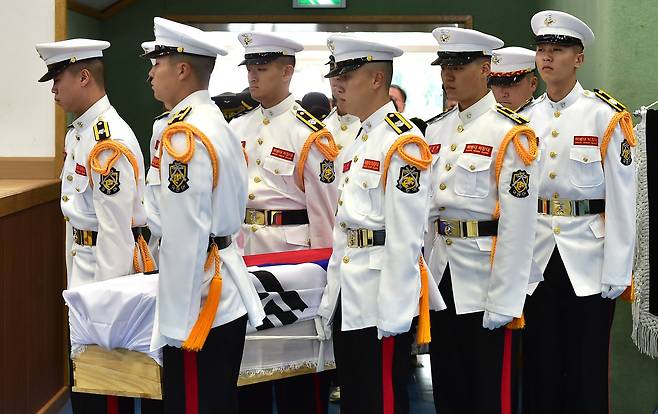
(273, 139)
(594, 250)
(191, 210)
(464, 187)
(379, 286)
(111, 205)
(152, 194)
(343, 128)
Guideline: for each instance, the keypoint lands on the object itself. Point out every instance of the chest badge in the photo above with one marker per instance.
(519, 184)
(409, 180)
(178, 177)
(327, 171)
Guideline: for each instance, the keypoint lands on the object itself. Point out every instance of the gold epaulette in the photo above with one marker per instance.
(508, 113)
(607, 98)
(180, 115)
(162, 115)
(399, 123)
(309, 120)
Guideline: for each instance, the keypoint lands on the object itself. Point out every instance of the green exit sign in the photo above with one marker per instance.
(319, 4)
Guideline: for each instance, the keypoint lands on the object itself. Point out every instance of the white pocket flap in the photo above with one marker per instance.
(598, 227)
(367, 180)
(376, 258)
(278, 166)
(474, 163)
(585, 155)
(297, 235)
(485, 244)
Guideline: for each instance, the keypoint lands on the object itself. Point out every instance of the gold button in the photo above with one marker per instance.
(73, 157)
(77, 189)
(77, 137)
(346, 259)
(347, 180)
(556, 195)
(448, 242)
(471, 167)
(448, 167)
(556, 230)
(442, 208)
(73, 253)
(586, 93)
(254, 229)
(557, 114)
(453, 147)
(266, 121)
(365, 184)
(364, 138)
(340, 202)
(256, 179)
(340, 147)
(553, 154)
(442, 186)
(585, 159)
(65, 198)
(69, 177)
(276, 171)
(258, 161)
(343, 225)
(343, 127)
(552, 175)
(251, 196)
(260, 141)
(66, 218)
(460, 128)
(356, 158)
(555, 133)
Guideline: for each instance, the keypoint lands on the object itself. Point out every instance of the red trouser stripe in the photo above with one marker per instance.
(506, 375)
(191, 383)
(388, 348)
(112, 404)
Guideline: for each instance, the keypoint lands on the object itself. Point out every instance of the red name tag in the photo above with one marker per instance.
(435, 148)
(157, 144)
(347, 166)
(372, 165)
(586, 140)
(283, 154)
(80, 169)
(478, 149)
(155, 162)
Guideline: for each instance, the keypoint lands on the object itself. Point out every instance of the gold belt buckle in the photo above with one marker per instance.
(360, 238)
(452, 228)
(255, 217)
(472, 229)
(560, 207)
(352, 238)
(271, 216)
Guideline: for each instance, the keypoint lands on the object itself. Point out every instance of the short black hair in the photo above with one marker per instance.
(287, 60)
(202, 66)
(95, 66)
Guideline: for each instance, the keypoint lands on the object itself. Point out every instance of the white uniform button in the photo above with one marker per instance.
(65, 198)
(343, 225)
(448, 242)
(585, 159)
(460, 129)
(343, 127)
(72, 252)
(258, 161)
(256, 179)
(448, 167)
(69, 177)
(260, 141)
(553, 154)
(453, 147)
(365, 184)
(442, 186)
(356, 158)
(346, 259)
(251, 196)
(552, 175)
(266, 121)
(276, 171)
(556, 230)
(471, 167)
(557, 114)
(364, 138)
(254, 229)
(555, 133)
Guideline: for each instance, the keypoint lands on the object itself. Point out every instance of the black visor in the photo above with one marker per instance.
(558, 39)
(349, 65)
(260, 58)
(457, 58)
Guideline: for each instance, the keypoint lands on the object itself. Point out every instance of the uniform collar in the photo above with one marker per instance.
(347, 119)
(378, 116)
(279, 108)
(195, 98)
(480, 107)
(91, 114)
(568, 100)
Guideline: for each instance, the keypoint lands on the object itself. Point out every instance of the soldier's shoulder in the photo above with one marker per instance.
(441, 116)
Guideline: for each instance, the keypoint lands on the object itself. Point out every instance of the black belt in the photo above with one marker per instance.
(275, 217)
(141, 231)
(222, 242)
(466, 228)
(365, 237)
(89, 237)
(571, 208)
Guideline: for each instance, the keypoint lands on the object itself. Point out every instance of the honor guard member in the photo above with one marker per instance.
(152, 193)
(512, 79)
(102, 180)
(292, 190)
(482, 224)
(343, 126)
(204, 292)
(586, 226)
(377, 282)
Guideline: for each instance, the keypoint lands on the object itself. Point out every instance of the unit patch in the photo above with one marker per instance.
(178, 177)
(409, 180)
(327, 171)
(110, 183)
(626, 158)
(519, 184)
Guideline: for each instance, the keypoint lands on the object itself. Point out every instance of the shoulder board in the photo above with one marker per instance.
(525, 105)
(607, 98)
(309, 120)
(508, 113)
(162, 115)
(101, 130)
(399, 123)
(181, 115)
(439, 116)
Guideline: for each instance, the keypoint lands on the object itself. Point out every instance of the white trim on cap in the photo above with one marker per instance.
(77, 54)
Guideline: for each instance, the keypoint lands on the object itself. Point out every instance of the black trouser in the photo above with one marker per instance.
(467, 360)
(372, 374)
(566, 347)
(303, 394)
(205, 382)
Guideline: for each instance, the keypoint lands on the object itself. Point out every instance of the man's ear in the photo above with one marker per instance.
(378, 80)
(580, 59)
(485, 68)
(533, 84)
(85, 77)
(288, 71)
(183, 70)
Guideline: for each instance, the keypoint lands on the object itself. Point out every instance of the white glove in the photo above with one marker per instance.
(324, 328)
(383, 334)
(493, 320)
(612, 291)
